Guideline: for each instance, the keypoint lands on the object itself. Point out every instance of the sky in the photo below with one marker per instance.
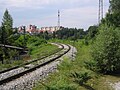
(73, 13)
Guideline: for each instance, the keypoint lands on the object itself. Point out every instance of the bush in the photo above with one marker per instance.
(36, 40)
(90, 65)
(106, 50)
(80, 77)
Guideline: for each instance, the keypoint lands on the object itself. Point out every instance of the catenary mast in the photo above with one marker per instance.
(58, 19)
(100, 14)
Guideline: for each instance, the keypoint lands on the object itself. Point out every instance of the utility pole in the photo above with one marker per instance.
(23, 28)
(110, 7)
(100, 14)
(58, 19)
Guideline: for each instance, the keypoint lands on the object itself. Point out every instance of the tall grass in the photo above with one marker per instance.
(62, 80)
(42, 50)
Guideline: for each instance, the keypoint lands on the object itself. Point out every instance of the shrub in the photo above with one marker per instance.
(80, 77)
(36, 40)
(90, 65)
(106, 50)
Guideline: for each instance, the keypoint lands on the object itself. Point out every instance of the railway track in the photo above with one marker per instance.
(18, 66)
(36, 64)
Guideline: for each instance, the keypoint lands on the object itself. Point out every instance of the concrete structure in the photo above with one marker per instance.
(32, 29)
(20, 29)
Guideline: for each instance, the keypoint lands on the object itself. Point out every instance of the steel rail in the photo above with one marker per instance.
(18, 66)
(11, 78)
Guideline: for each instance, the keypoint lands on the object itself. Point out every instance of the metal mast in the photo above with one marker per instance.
(58, 19)
(101, 9)
(100, 14)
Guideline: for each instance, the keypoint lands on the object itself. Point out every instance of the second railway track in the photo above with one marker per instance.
(36, 65)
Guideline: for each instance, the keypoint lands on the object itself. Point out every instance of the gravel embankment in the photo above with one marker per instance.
(72, 53)
(115, 86)
(26, 82)
(11, 73)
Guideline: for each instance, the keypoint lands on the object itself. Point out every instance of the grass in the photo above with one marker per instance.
(9, 64)
(61, 80)
(42, 50)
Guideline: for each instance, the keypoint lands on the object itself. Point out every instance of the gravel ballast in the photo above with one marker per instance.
(115, 86)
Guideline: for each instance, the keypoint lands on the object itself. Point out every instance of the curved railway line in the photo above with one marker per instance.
(38, 63)
(17, 66)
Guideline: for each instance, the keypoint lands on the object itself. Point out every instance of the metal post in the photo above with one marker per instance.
(24, 37)
(58, 19)
(100, 12)
(101, 9)
(44, 35)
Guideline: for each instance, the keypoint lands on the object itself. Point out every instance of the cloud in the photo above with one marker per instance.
(25, 3)
(79, 17)
(74, 13)
(40, 3)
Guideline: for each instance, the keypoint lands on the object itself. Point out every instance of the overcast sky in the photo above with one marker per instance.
(74, 13)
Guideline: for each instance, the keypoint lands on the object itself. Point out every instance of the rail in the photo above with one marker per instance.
(8, 79)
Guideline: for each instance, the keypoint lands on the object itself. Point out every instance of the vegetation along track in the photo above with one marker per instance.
(38, 65)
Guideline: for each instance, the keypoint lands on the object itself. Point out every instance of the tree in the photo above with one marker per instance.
(106, 50)
(46, 35)
(0, 35)
(114, 6)
(80, 33)
(66, 33)
(113, 17)
(7, 25)
(92, 31)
